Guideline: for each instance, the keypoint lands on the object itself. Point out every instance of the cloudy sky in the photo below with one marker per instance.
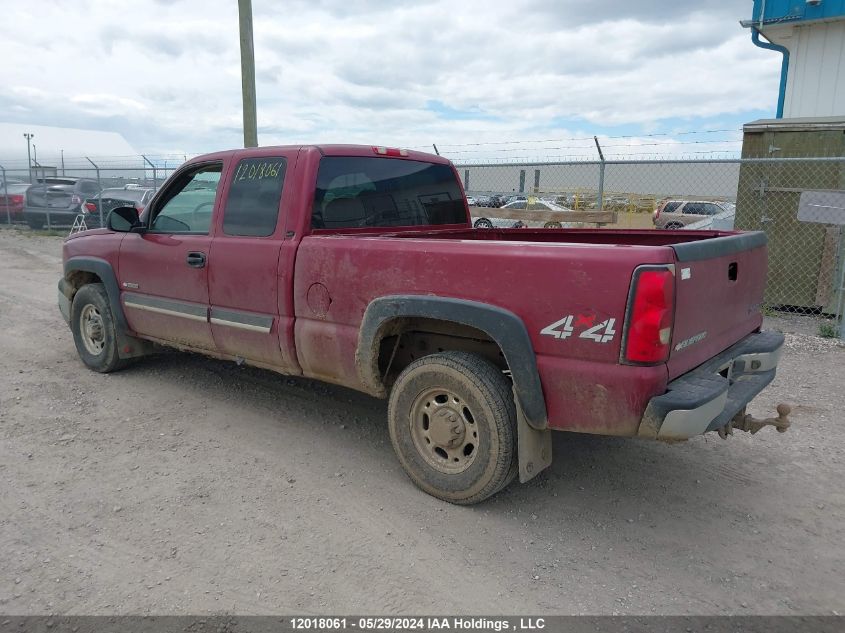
(484, 79)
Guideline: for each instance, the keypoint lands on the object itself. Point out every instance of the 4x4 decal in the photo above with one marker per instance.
(602, 332)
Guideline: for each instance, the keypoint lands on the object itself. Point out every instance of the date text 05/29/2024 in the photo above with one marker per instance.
(428, 623)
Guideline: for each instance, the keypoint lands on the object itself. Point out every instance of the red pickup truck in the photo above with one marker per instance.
(358, 265)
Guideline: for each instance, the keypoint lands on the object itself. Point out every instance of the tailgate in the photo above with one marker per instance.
(719, 286)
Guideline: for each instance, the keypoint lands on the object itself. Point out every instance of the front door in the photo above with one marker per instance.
(163, 272)
(243, 273)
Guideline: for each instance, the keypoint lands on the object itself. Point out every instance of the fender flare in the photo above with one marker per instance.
(104, 270)
(504, 327)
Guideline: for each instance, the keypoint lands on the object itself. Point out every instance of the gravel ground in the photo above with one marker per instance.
(186, 485)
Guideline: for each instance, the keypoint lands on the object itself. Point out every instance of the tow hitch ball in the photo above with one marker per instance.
(745, 422)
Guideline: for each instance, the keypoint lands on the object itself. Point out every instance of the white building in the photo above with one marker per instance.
(810, 34)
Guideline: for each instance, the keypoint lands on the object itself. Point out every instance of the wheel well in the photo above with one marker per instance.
(404, 340)
(78, 278)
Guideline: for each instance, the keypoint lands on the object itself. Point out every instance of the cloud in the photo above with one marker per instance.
(401, 73)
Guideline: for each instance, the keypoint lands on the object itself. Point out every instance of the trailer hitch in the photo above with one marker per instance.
(745, 422)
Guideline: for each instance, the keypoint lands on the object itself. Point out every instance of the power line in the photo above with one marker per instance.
(630, 145)
(584, 138)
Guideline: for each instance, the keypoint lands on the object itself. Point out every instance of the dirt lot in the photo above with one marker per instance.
(185, 485)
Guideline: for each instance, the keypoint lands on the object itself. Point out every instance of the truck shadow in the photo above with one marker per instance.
(613, 479)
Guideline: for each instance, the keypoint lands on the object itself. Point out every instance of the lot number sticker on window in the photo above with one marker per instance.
(564, 328)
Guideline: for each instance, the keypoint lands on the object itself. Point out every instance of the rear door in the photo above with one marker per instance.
(246, 276)
(163, 272)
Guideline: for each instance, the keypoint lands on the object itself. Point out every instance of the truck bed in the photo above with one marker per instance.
(542, 276)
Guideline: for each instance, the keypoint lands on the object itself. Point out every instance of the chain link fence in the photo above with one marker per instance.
(806, 248)
(54, 196)
(798, 202)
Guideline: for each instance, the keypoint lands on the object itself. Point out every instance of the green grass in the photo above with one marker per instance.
(828, 330)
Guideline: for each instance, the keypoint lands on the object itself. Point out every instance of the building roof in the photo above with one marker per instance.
(51, 141)
(797, 124)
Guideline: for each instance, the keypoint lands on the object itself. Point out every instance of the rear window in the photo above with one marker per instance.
(377, 192)
(671, 207)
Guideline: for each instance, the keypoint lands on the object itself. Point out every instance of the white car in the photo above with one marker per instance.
(537, 205)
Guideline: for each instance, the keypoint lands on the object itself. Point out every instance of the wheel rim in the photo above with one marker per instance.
(91, 330)
(444, 430)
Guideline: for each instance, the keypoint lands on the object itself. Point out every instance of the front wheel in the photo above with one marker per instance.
(483, 223)
(93, 329)
(452, 422)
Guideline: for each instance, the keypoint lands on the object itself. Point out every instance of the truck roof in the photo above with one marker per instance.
(326, 150)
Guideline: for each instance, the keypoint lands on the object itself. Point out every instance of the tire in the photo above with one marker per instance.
(93, 329)
(483, 223)
(466, 450)
(673, 225)
(552, 225)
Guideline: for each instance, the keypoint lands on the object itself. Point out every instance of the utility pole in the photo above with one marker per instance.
(248, 74)
(28, 136)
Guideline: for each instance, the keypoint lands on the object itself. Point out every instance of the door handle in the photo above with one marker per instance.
(196, 259)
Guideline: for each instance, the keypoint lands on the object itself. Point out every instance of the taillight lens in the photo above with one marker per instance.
(90, 207)
(650, 315)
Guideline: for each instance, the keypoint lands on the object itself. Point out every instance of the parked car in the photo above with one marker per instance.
(12, 201)
(113, 197)
(63, 198)
(360, 279)
(471, 201)
(677, 214)
(490, 222)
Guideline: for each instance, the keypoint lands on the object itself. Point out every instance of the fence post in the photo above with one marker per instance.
(840, 304)
(155, 171)
(600, 201)
(6, 195)
(100, 192)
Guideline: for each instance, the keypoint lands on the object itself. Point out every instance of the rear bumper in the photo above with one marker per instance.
(57, 216)
(708, 397)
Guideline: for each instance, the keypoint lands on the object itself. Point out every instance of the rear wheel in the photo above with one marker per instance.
(483, 223)
(93, 329)
(452, 423)
(674, 225)
(552, 225)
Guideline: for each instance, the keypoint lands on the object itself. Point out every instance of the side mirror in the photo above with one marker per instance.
(123, 219)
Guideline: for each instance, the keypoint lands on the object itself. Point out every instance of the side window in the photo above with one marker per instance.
(712, 209)
(671, 207)
(187, 205)
(252, 207)
(693, 208)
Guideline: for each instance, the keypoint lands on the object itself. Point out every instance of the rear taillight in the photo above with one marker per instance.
(651, 312)
(90, 207)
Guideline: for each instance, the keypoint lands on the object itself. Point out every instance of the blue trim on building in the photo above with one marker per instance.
(784, 67)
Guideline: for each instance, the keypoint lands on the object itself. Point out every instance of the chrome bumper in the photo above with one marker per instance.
(708, 397)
